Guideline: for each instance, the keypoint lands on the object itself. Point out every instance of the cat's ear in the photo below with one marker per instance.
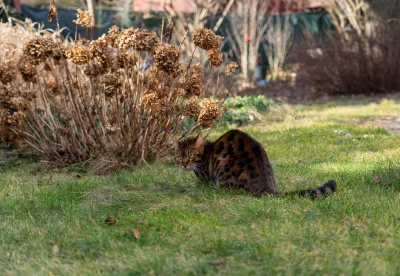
(175, 142)
(199, 144)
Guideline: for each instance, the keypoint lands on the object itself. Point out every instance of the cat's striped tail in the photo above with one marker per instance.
(322, 191)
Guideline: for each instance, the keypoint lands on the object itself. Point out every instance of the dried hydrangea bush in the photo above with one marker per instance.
(16, 95)
(92, 102)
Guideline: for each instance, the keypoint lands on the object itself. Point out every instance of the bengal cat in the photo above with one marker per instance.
(236, 161)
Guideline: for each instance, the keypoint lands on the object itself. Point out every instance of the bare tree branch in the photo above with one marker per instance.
(247, 29)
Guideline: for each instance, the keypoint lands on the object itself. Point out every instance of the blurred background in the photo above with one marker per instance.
(293, 49)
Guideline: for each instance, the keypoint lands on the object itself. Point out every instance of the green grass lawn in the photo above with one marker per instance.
(52, 223)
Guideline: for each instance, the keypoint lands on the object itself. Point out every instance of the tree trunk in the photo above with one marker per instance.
(245, 61)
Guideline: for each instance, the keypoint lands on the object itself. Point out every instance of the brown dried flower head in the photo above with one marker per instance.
(112, 36)
(210, 110)
(127, 59)
(180, 70)
(79, 53)
(99, 50)
(166, 58)
(7, 72)
(9, 92)
(112, 79)
(150, 99)
(206, 39)
(138, 39)
(177, 92)
(83, 18)
(154, 78)
(215, 57)
(19, 103)
(193, 81)
(127, 38)
(163, 93)
(93, 70)
(153, 83)
(59, 53)
(112, 83)
(15, 119)
(156, 102)
(192, 107)
(146, 41)
(12, 107)
(40, 48)
(230, 67)
(27, 68)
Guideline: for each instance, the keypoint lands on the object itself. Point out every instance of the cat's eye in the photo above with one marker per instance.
(191, 155)
(179, 158)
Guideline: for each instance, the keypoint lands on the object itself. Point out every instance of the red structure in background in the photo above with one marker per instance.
(187, 6)
(158, 5)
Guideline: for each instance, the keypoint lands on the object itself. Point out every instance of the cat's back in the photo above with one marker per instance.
(237, 154)
(237, 142)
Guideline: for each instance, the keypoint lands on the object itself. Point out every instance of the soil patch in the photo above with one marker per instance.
(390, 123)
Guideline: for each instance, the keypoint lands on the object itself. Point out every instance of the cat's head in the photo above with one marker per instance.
(189, 152)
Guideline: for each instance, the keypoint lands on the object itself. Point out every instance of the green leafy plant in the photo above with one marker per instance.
(241, 111)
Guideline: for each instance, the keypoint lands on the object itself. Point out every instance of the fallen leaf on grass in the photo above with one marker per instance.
(134, 231)
(217, 262)
(55, 250)
(377, 178)
(110, 221)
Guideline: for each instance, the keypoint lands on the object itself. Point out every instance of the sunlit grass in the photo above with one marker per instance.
(193, 229)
